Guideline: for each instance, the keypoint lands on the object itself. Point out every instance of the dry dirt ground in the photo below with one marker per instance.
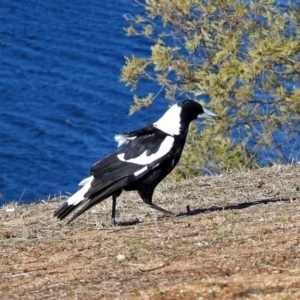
(241, 240)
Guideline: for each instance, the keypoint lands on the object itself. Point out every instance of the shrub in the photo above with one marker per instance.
(241, 59)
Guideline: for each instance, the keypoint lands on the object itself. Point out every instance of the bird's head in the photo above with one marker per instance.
(178, 117)
(192, 110)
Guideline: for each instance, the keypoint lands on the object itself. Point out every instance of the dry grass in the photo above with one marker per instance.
(240, 241)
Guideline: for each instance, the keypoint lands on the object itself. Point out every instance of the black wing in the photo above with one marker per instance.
(111, 168)
(112, 174)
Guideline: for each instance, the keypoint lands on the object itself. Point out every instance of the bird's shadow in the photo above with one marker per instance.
(128, 223)
(238, 206)
(197, 211)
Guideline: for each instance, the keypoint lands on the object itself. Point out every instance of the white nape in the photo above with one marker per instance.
(79, 195)
(145, 159)
(170, 121)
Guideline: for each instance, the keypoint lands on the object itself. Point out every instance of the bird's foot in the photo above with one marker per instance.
(188, 210)
(112, 222)
(184, 214)
(164, 211)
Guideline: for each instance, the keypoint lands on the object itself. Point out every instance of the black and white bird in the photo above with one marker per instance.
(143, 158)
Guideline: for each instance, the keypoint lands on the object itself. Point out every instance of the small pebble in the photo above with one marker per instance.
(121, 257)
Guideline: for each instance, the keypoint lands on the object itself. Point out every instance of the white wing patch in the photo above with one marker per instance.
(122, 139)
(170, 121)
(84, 181)
(137, 173)
(79, 195)
(144, 159)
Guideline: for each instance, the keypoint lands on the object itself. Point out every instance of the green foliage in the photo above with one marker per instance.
(245, 56)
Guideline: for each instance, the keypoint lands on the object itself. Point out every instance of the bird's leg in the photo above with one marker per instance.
(160, 209)
(146, 195)
(112, 221)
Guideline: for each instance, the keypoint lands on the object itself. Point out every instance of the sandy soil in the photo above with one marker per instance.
(241, 240)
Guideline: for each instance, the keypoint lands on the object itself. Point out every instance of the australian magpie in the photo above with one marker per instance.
(143, 158)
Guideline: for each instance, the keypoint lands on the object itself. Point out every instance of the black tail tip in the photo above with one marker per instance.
(64, 210)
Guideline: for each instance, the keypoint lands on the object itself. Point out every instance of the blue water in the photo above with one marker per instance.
(60, 95)
(61, 101)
